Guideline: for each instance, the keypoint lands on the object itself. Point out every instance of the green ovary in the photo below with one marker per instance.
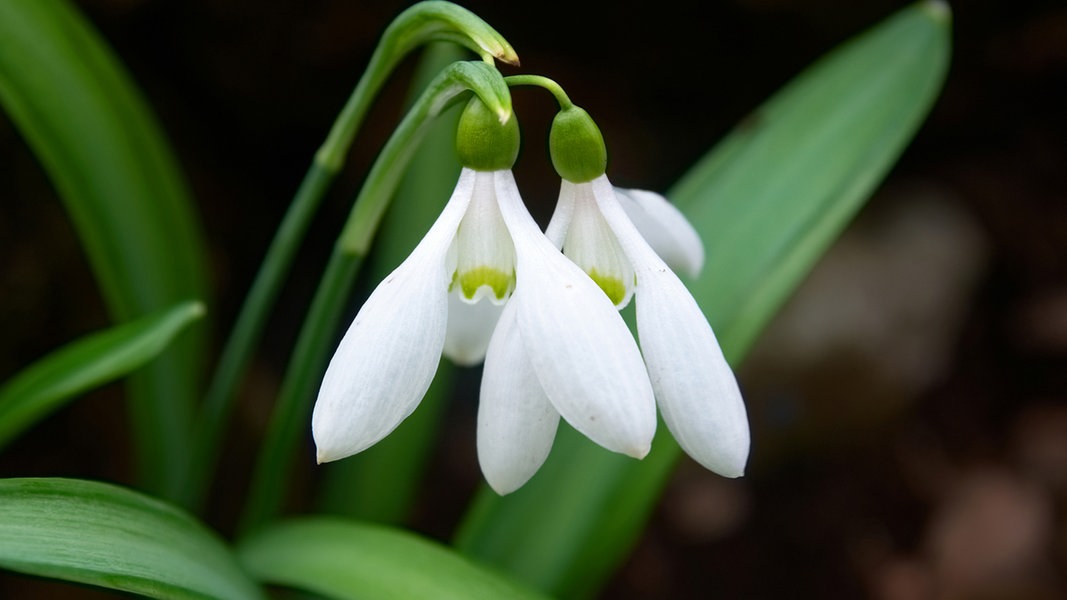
(612, 286)
(497, 280)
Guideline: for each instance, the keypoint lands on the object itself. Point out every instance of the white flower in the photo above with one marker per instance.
(695, 389)
(565, 349)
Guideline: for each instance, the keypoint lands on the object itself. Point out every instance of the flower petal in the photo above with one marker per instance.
(592, 246)
(388, 356)
(469, 328)
(695, 388)
(485, 256)
(556, 232)
(665, 228)
(583, 354)
(516, 422)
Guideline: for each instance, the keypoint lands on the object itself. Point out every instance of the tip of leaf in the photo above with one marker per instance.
(507, 55)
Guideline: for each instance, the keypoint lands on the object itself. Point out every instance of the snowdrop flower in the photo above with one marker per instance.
(571, 353)
(694, 386)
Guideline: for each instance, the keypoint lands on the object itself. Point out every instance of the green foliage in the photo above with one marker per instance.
(110, 537)
(86, 363)
(111, 165)
(345, 559)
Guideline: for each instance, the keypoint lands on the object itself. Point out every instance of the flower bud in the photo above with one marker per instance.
(577, 148)
(483, 142)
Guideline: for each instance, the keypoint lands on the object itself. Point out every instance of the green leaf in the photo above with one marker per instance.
(767, 201)
(346, 559)
(86, 363)
(104, 535)
(102, 149)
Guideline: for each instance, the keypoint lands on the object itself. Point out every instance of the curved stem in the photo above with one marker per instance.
(544, 83)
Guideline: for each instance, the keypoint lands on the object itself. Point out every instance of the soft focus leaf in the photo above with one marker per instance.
(87, 363)
(767, 201)
(84, 120)
(104, 535)
(346, 559)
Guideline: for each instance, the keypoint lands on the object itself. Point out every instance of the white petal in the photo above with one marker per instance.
(469, 328)
(388, 356)
(695, 388)
(556, 232)
(665, 228)
(485, 257)
(583, 354)
(516, 422)
(591, 244)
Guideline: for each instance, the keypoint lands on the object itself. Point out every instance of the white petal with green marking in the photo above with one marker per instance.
(591, 244)
(485, 256)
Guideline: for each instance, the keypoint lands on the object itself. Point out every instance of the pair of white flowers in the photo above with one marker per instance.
(485, 282)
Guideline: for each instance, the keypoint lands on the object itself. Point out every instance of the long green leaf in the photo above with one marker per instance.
(346, 559)
(107, 157)
(86, 363)
(104, 535)
(767, 201)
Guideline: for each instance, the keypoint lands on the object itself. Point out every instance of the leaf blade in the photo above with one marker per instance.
(103, 535)
(347, 559)
(86, 363)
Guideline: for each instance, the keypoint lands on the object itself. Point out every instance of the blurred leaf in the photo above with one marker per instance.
(767, 201)
(106, 155)
(86, 363)
(345, 559)
(104, 535)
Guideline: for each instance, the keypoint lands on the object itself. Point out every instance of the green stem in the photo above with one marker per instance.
(544, 83)
(420, 24)
(290, 417)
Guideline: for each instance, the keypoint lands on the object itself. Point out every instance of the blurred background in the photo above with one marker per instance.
(909, 406)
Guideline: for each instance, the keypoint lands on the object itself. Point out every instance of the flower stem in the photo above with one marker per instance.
(544, 83)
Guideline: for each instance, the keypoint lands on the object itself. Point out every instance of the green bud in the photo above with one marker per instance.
(577, 148)
(483, 142)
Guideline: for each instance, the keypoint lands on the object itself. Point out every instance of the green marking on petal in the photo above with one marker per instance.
(495, 279)
(612, 286)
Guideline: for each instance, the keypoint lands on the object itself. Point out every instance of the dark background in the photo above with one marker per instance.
(909, 408)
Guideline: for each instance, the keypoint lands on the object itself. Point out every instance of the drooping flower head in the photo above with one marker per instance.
(563, 346)
(695, 388)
